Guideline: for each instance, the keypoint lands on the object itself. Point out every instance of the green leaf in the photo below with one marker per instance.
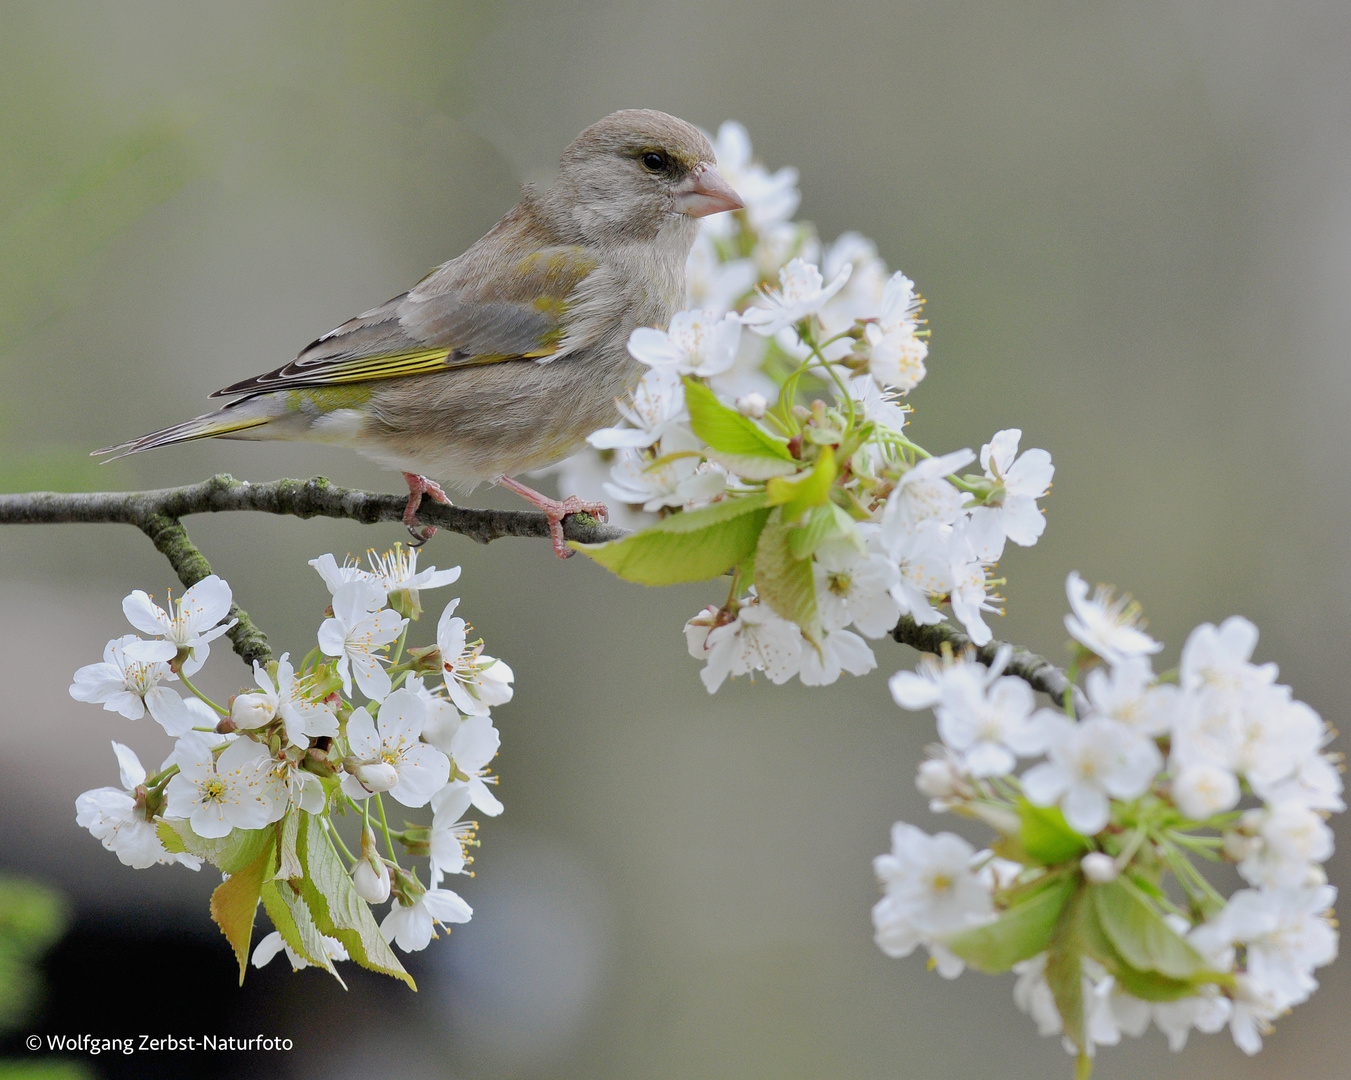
(230, 853)
(288, 858)
(691, 546)
(1019, 934)
(1139, 934)
(1046, 838)
(1064, 969)
(293, 921)
(236, 899)
(737, 441)
(802, 493)
(784, 582)
(337, 909)
(1146, 985)
(822, 524)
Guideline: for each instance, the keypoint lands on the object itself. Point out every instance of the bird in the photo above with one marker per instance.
(503, 359)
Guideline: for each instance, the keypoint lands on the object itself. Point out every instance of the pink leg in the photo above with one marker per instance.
(556, 510)
(419, 486)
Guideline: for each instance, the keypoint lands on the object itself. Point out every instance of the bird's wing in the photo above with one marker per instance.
(517, 311)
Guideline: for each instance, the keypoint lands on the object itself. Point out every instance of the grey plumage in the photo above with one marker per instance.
(503, 359)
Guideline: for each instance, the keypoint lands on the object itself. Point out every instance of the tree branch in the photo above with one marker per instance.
(157, 514)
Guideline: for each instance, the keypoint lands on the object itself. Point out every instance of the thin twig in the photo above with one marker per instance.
(157, 514)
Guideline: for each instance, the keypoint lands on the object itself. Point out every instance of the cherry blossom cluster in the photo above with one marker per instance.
(767, 429)
(265, 781)
(1091, 893)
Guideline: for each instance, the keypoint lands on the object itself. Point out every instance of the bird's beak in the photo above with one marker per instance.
(704, 192)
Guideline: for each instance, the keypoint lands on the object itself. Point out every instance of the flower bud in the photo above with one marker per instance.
(1099, 867)
(376, 775)
(371, 881)
(752, 405)
(937, 779)
(1202, 790)
(252, 710)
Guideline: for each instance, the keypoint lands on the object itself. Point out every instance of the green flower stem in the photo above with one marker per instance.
(201, 696)
(162, 778)
(334, 838)
(384, 826)
(398, 645)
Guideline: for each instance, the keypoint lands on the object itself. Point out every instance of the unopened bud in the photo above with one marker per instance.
(250, 711)
(937, 779)
(371, 881)
(752, 405)
(1099, 867)
(376, 775)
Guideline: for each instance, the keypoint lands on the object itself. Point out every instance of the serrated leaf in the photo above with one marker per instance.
(691, 546)
(337, 909)
(726, 431)
(288, 858)
(230, 853)
(1139, 934)
(235, 901)
(802, 493)
(1046, 838)
(170, 838)
(784, 582)
(293, 921)
(1064, 969)
(1019, 934)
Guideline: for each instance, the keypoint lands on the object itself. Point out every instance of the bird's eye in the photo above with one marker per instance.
(653, 161)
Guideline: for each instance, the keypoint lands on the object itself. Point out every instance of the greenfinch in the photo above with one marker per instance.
(504, 359)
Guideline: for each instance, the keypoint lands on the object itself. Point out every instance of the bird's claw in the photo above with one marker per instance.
(419, 486)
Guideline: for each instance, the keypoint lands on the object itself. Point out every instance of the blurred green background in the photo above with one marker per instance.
(1133, 224)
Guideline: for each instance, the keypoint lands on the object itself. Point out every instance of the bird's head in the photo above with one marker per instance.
(638, 174)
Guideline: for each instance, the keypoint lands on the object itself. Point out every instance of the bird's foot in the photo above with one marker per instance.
(556, 510)
(419, 486)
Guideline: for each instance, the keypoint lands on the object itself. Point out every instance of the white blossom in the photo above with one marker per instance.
(930, 890)
(1289, 837)
(421, 770)
(840, 650)
(1129, 695)
(270, 946)
(895, 354)
(132, 687)
(755, 640)
(677, 478)
(1287, 934)
(239, 790)
(923, 495)
(854, 587)
(1105, 625)
(698, 342)
(117, 818)
(359, 628)
(192, 626)
(302, 718)
(657, 407)
(1088, 764)
(473, 745)
(450, 832)
(475, 682)
(802, 292)
(770, 198)
(985, 718)
(712, 284)
(412, 926)
(1020, 482)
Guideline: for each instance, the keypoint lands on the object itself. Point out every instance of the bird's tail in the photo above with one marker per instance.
(230, 422)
